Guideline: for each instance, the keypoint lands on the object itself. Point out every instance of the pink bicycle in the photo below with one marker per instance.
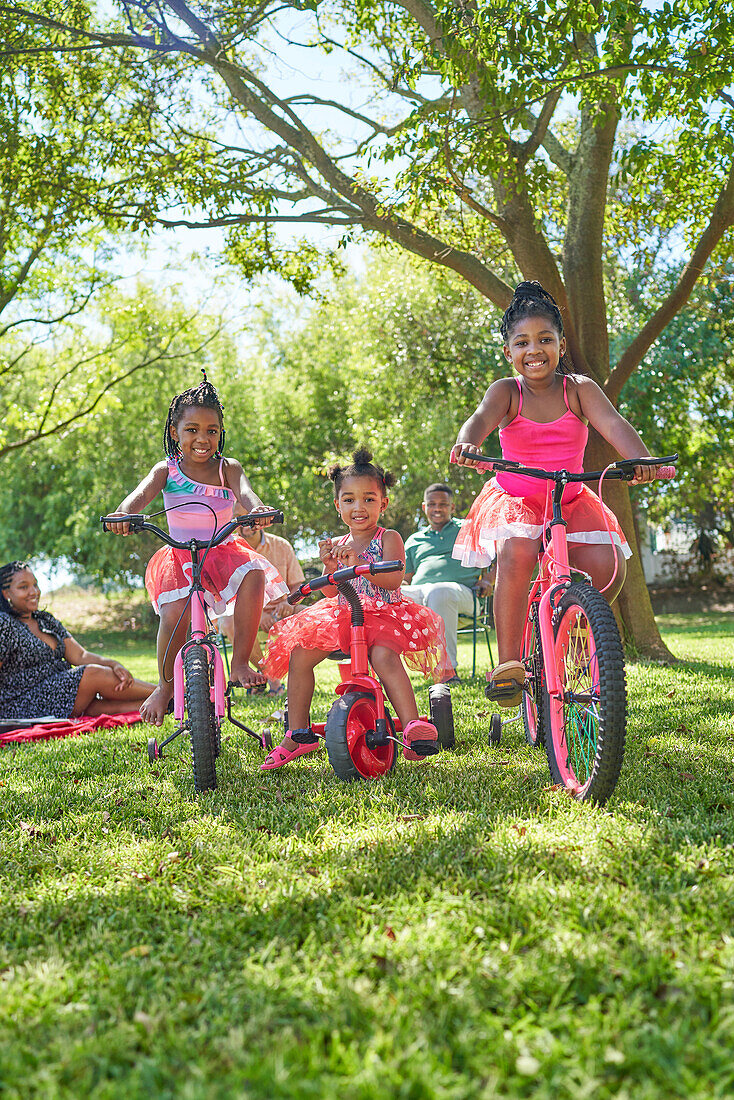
(201, 698)
(575, 699)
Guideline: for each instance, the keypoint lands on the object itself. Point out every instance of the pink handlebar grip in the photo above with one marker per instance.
(665, 473)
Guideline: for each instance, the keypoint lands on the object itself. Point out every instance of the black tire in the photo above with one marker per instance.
(350, 716)
(533, 702)
(153, 753)
(200, 713)
(585, 731)
(442, 714)
(495, 730)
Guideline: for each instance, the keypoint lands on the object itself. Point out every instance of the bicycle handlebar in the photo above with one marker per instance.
(139, 522)
(341, 575)
(623, 470)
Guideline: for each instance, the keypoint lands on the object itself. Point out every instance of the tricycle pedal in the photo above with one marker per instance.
(424, 748)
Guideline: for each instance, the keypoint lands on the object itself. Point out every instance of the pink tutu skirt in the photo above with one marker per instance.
(168, 576)
(413, 631)
(495, 516)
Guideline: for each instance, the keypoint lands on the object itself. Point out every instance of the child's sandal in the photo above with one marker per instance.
(280, 756)
(420, 739)
(506, 684)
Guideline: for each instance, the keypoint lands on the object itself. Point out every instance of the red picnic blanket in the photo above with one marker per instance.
(69, 727)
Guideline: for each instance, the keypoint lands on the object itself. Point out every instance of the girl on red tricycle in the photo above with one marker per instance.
(394, 626)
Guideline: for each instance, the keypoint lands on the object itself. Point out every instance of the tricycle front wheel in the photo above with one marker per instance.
(347, 724)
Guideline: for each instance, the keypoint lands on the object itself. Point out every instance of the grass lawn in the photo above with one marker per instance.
(455, 930)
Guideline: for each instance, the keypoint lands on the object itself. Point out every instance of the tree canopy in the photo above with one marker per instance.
(546, 140)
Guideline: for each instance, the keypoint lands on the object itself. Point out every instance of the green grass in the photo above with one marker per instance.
(455, 930)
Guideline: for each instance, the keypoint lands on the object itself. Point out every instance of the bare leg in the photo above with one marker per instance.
(100, 680)
(391, 670)
(515, 563)
(598, 561)
(247, 611)
(155, 706)
(301, 684)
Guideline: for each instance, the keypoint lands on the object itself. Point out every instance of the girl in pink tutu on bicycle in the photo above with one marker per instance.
(200, 488)
(394, 626)
(543, 416)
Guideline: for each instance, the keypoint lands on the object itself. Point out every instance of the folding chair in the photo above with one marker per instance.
(480, 621)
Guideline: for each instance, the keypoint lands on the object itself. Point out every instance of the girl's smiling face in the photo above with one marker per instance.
(23, 593)
(360, 502)
(197, 433)
(535, 348)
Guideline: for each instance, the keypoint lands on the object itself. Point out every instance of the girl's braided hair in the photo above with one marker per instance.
(532, 300)
(362, 466)
(202, 396)
(7, 572)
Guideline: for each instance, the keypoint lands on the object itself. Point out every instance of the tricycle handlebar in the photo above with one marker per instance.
(139, 522)
(341, 575)
(624, 470)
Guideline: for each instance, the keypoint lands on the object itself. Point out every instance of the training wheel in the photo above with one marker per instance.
(495, 730)
(267, 740)
(154, 752)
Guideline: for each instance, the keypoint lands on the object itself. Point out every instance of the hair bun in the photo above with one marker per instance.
(362, 457)
(531, 289)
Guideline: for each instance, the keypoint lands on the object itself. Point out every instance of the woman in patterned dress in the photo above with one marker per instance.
(38, 656)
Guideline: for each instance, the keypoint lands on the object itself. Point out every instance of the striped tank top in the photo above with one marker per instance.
(206, 508)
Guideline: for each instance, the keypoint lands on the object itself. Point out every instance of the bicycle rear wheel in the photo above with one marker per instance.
(585, 727)
(532, 704)
(200, 714)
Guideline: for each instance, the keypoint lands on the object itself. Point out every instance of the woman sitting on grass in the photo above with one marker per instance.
(36, 658)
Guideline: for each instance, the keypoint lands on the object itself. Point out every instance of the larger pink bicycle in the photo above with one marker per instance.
(201, 698)
(575, 699)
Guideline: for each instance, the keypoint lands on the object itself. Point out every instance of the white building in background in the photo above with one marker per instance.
(671, 556)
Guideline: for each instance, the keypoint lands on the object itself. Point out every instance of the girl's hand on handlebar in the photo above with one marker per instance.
(457, 457)
(119, 528)
(262, 522)
(643, 474)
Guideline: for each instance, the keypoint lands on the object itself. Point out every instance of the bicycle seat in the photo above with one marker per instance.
(339, 655)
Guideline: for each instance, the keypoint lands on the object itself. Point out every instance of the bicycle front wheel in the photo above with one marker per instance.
(200, 714)
(585, 727)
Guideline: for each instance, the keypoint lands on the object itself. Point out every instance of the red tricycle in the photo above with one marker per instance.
(360, 733)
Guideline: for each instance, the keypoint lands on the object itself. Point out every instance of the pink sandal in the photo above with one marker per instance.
(280, 756)
(418, 730)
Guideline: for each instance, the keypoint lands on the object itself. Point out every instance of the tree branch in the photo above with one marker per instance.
(722, 218)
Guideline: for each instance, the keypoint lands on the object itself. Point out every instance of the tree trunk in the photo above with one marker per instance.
(633, 608)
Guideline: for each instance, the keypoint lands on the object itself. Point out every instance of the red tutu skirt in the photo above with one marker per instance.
(168, 576)
(413, 631)
(495, 516)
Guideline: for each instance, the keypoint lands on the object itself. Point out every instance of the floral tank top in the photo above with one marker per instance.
(365, 586)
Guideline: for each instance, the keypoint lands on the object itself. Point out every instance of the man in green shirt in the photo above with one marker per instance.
(435, 578)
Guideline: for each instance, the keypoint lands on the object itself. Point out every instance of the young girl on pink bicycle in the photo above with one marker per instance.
(394, 626)
(543, 417)
(199, 489)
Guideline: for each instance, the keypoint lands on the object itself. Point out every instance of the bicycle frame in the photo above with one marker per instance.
(201, 634)
(554, 570)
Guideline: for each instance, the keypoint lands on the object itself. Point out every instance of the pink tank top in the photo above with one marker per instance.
(195, 521)
(558, 445)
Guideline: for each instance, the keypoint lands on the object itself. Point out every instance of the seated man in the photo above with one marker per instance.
(432, 576)
(281, 554)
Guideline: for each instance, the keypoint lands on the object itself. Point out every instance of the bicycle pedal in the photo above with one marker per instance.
(424, 748)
